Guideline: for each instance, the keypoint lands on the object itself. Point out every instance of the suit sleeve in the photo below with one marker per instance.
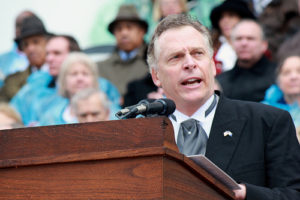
(282, 162)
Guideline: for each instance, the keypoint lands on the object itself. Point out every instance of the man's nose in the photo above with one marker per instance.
(124, 31)
(189, 62)
(89, 118)
(30, 47)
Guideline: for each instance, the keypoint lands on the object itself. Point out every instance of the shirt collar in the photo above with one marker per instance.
(128, 55)
(199, 114)
(44, 68)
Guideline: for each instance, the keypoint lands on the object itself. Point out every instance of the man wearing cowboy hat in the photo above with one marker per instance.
(127, 62)
(32, 41)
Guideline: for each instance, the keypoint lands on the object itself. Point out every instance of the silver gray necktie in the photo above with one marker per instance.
(191, 138)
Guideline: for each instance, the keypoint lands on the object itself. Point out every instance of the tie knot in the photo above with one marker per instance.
(189, 124)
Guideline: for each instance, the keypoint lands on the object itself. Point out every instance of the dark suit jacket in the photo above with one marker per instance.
(138, 90)
(263, 151)
(248, 84)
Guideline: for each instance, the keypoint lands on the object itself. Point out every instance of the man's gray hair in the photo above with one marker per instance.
(176, 21)
(85, 94)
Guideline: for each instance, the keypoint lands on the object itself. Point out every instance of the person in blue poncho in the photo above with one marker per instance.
(77, 72)
(286, 93)
(44, 85)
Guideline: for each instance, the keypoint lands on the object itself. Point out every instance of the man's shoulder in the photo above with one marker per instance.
(225, 75)
(251, 109)
(19, 75)
(108, 61)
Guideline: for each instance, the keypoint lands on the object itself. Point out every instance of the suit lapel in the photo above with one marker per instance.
(225, 134)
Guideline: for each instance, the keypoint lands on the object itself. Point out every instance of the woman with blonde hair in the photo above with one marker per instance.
(77, 72)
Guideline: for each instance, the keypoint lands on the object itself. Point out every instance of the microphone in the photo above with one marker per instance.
(129, 108)
(146, 107)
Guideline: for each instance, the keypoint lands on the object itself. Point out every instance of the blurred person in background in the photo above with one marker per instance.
(163, 8)
(9, 118)
(253, 72)
(281, 21)
(14, 60)
(43, 84)
(286, 93)
(90, 105)
(223, 18)
(77, 72)
(32, 40)
(128, 61)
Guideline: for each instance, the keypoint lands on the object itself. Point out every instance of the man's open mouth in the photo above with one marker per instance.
(192, 81)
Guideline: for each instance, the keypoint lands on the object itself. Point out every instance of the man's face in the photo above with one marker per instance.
(185, 69)
(91, 110)
(57, 50)
(129, 35)
(35, 49)
(248, 42)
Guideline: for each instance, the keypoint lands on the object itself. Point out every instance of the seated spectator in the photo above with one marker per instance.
(127, 62)
(42, 84)
(138, 90)
(144, 87)
(77, 73)
(9, 118)
(289, 46)
(14, 60)
(281, 21)
(253, 73)
(286, 94)
(32, 41)
(90, 105)
(223, 18)
(163, 8)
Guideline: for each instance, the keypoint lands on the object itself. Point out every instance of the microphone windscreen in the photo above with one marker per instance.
(169, 105)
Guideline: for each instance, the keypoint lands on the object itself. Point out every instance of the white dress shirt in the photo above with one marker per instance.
(199, 115)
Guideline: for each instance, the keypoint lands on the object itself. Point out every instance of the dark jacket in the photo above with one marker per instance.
(138, 90)
(248, 84)
(263, 151)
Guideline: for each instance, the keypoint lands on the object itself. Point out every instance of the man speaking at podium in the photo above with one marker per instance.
(255, 144)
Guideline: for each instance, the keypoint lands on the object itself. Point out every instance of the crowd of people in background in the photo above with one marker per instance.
(47, 79)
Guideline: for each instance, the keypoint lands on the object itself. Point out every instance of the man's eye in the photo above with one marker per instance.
(198, 53)
(83, 115)
(95, 114)
(175, 57)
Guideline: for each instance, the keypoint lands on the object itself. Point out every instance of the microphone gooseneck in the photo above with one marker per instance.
(148, 107)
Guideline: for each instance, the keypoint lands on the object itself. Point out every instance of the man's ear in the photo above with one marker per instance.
(213, 65)
(155, 77)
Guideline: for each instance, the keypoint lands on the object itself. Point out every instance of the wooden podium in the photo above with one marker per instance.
(122, 159)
